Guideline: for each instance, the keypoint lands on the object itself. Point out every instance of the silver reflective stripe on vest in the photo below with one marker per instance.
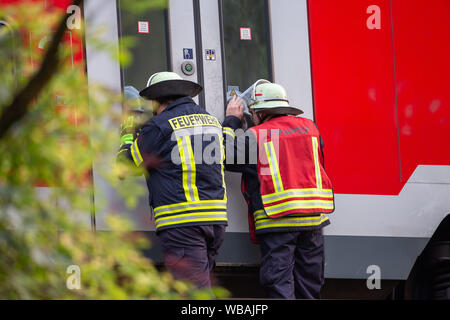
(328, 193)
(262, 221)
(274, 168)
(260, 215)
(315, 146)
(299, 204)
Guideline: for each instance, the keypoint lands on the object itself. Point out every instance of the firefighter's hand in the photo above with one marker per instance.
(235, 107)
(127, 130)
(128, 125)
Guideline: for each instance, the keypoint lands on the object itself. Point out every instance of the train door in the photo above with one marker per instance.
(168, 36)
(261, 40)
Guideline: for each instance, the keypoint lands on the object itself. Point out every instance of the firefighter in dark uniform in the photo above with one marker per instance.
(287, 191)
(181, 151)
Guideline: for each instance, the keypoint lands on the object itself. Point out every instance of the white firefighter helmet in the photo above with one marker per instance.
(271, 98)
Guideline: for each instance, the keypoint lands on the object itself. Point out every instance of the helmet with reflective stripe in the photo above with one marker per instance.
(271, 98)
(166, 84)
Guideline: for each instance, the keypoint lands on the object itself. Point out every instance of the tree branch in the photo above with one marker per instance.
(18, 108)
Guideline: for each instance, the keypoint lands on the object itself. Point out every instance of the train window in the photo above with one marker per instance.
(150, 52)
(246, 42)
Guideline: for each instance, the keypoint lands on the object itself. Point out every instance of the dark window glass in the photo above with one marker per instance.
(150, 51)
(246, 60)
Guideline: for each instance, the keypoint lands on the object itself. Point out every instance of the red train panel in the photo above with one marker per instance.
(354, 97)
(422, 66)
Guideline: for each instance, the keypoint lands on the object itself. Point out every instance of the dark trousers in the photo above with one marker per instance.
(190, 252)
(292, 264)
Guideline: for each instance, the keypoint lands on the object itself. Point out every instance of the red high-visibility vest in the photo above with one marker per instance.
(290, 168)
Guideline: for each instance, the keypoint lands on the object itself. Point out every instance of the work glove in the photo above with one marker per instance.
(127, 131)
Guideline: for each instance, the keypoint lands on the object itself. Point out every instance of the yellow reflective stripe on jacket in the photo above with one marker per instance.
(222, 170)
(193, 168)
(137, 158)
(190, 218)
(262, 221)
(315, 146)
(229, 131)
(188, 166)
(294, 193)
(299, 204)
(190, 206)
(261, 215)
(273, 164)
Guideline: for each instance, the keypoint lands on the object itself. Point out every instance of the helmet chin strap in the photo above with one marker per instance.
(258, 115)
(263, 118)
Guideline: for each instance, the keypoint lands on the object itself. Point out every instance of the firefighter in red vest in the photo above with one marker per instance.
(286, 187)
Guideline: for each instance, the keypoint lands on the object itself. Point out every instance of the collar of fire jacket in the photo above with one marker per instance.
(180, 101)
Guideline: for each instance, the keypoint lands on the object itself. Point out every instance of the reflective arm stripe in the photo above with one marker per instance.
(189, 169)
(259, 214)
(137, 158)
(273, 164)
(229, 131)
(315, 146)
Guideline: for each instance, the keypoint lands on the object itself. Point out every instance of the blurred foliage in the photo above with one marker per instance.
(46, 194)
